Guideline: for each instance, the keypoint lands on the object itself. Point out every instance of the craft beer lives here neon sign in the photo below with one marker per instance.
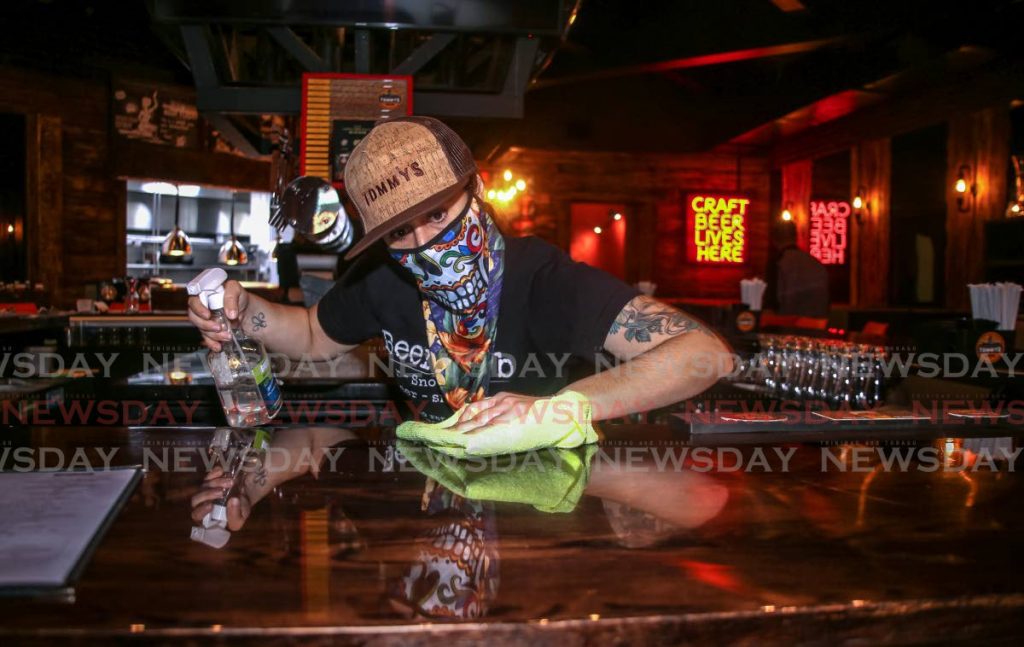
(830, 221)
(716, 228)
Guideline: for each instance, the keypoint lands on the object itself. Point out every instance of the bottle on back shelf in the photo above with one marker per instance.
(241, 370)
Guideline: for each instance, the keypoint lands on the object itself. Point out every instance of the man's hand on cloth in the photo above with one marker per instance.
(507, 424)
(499, 409)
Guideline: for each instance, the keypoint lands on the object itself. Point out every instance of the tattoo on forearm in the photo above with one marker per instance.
(259, 321)
(644, 317)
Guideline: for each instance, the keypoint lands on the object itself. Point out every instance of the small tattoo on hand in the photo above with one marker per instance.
(259, 320)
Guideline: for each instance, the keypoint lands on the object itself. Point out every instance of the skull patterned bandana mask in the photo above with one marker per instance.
(450, 268)
(459, 274)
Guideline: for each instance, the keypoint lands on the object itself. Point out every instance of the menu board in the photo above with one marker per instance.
(338, 110)
(716, 228)
(52, 520)
(345, 135)
(155, 114)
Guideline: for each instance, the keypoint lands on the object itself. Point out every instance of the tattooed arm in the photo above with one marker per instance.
(291, 330)
(664, 356)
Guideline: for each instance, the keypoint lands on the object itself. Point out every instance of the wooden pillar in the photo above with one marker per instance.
(45, 203)
(796, 194)
(871, 172)
(980, 142)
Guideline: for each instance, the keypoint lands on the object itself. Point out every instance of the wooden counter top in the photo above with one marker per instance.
(648, 554)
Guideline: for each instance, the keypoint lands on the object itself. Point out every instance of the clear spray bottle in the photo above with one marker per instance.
(241, 370)
(240, 453)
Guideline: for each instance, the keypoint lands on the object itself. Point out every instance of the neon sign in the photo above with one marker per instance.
(716, 228)
(829, 227)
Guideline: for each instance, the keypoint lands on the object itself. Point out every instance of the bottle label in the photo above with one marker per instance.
(269, 389)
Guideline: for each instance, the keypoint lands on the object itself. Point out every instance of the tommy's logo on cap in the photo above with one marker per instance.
(391, 183)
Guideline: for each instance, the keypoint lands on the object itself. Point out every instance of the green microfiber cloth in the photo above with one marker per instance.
(562, 421)
(551, 480)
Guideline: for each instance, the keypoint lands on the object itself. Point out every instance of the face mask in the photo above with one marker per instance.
(451, 269)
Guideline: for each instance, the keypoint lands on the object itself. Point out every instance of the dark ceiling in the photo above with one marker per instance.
(633, 75)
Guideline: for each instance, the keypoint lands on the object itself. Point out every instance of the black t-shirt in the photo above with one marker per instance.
(552, 310)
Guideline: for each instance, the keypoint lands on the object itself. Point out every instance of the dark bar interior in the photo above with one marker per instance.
(540, 322)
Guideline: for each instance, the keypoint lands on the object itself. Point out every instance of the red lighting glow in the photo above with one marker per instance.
(828, 233)
(716, 228)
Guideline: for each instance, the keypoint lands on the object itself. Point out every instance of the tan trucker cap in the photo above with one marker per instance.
(402, 169)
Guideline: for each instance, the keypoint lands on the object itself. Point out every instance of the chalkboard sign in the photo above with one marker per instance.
(155, 114)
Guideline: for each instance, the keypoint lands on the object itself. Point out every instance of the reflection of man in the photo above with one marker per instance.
(448, 562)
(797, 280)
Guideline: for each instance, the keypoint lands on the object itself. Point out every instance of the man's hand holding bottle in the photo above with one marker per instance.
(236, 300)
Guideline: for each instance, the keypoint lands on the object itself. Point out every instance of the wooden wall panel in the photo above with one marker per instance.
(135, 160)
(871, 168)
(76, 199)
(796, 193)
(652, 185)
(981, 141)
(44, 201)
(71, 192)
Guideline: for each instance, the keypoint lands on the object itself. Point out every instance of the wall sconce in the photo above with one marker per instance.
(508, 193)
(965, 191)
(613, 217)
(860, 204)
(787, 213)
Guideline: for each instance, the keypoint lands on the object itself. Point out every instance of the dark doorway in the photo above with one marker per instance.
(918, 223)
(12, 198)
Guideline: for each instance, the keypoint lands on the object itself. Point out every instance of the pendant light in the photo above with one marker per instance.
(176, 245)
(232, 252)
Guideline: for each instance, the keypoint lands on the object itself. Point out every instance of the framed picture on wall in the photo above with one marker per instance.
(716, 227)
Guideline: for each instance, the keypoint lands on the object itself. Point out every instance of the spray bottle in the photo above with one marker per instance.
(240, 453)
(241, 369)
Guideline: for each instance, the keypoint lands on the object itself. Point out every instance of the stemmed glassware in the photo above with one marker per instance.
(832, 372)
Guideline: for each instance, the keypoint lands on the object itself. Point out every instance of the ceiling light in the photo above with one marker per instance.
(232, 252)
(176, 245)
(162, 188)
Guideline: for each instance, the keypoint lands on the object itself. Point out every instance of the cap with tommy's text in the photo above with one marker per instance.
(402, 169)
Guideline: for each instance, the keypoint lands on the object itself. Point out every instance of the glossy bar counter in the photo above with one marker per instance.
(756, 549)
